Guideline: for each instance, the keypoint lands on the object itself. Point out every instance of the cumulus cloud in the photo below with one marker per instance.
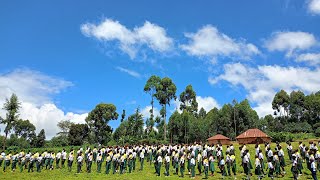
(290, 42)
(146, 112)
(309, 58)
(207, 103)
(314, 6)
(130, 72)
(209, 42)
(35, 91)
(263, 82)
(130, 41)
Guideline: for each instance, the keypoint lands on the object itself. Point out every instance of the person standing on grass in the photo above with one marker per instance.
(38, 162)
(313, 169)
(245, 164)
(7, 162)
(294, 168)
(95, 152)
(108, 162)
(281, 159)
(199, 163)
(14, 159)
(228, 162)
(79, 162)
(192, 165)
(21, 163)
(271, 169)
(90, 160)
(2, 156)
(211, 164)
(182, 165)
(258, 167)
(159, 162)
(31, 163)
(99, 161)
(130, 162)
(64, 157)
(206, 166)
(58, 157)
(167, 164)
(233, 164)
(70, 160)
(261, 158)
(141, 158)
(289, 149)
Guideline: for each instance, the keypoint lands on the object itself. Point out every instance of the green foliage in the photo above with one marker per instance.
(98, 119)
(40, 142)
(317, 132)
(77, 134)
(298, 127)
(165, 92)
(58, 141)
(287, 136)
(11, 106)
(24, 128)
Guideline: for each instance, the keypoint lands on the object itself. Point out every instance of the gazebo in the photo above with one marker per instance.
(253, 136)
(218, 139)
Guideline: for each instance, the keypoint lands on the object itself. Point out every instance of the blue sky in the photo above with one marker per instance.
(64, 57)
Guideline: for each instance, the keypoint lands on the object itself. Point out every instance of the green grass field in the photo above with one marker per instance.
(147, 173)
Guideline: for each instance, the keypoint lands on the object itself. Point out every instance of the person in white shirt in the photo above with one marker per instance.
(58, 157)
(271, 169)
(79, 161)
(313, 169)
(70, 160)
(141, 159)
(167, 164)
(192, 165)
(159, 162)
(64, 157)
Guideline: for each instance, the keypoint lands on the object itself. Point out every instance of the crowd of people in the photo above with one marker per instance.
(203, 159)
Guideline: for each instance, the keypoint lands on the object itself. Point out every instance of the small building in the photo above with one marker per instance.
(218, 139)
(253, 136)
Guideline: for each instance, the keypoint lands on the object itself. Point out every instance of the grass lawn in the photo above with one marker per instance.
(148, 172)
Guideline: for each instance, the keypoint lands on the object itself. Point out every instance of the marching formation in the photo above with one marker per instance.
(196, 158)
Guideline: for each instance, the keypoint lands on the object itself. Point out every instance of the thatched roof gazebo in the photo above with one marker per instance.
(218, 139)
(253, 136)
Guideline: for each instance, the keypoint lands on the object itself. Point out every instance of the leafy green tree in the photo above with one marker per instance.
(77, 134)
(151, 88)
(281, 102)
(296, 107)
(24, 129)
(202, 113)
(165, 92)
(12, 106)
(312, 108)
(41, 139)
(98, 119)
(188, 99)
(64, 126)
(123, 115)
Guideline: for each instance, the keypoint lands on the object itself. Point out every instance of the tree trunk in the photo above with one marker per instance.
(164, 126)
(4, 141)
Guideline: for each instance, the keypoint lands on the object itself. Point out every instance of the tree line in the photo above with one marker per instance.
(294, 112)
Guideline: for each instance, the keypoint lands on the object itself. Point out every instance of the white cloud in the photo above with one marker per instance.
(130, 72)
(209, 42)
(263, 82)
(35, 91)
(146, 112)
(290, 42)
(314, 6)
(130, 41)
(207, 103)
(310, 58)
